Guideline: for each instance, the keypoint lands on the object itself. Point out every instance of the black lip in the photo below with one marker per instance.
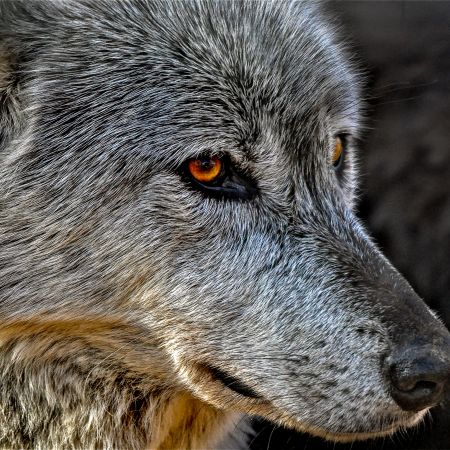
(233, 383)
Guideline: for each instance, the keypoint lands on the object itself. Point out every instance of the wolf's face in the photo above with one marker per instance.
(189, 167)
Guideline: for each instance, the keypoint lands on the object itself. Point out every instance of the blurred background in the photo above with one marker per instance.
(404, 47)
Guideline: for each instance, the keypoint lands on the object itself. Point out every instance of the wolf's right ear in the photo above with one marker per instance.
(10, 107)
(22, 25)
(10, 74)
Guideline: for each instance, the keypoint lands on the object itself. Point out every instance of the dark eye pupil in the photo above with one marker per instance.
(205, 164)
(338, 161)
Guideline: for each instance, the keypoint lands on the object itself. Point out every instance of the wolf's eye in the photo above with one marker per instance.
(206, 169)
(338, 152)
(217, 176)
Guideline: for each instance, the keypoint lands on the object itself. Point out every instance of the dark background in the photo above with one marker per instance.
(405, 169)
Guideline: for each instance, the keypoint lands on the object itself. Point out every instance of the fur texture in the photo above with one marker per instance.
(138, 310)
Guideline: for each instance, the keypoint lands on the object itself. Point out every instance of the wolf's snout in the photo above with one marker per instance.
(418, 376)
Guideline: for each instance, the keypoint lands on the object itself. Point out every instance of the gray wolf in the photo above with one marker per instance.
(179, 248)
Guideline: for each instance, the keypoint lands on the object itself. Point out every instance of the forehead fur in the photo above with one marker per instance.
(173, 72)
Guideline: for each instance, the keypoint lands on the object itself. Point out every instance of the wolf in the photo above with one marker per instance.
(179, 244)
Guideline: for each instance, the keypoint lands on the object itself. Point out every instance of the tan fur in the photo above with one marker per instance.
(190, 423)
(172, 418)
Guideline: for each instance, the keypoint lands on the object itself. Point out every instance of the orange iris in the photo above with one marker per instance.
(338, 148)
(205, 170)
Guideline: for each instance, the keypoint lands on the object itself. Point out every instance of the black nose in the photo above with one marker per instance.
(418, 376)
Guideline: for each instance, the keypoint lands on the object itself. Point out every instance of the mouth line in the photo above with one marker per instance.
(233, 383)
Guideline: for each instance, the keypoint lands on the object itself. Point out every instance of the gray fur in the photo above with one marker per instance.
(121, 285)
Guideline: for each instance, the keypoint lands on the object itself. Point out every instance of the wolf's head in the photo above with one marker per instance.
(189, 167)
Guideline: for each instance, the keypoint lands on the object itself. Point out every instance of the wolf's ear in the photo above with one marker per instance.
(22, 25)
(10, 58)
(11, 108)
(9, 95)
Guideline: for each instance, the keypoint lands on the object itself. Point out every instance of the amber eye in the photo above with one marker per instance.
(338, 152)
(205, 169)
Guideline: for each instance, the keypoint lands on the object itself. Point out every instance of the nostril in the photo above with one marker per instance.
(423, 395)
(409, 383)
(426, 386)
(418, 381)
